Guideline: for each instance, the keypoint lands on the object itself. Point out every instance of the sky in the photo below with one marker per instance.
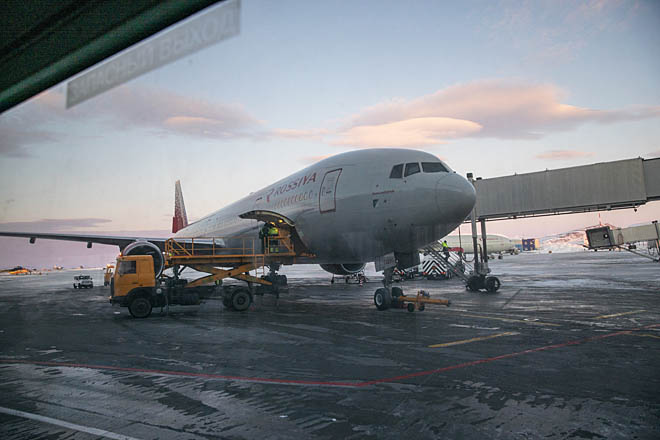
(491, 87)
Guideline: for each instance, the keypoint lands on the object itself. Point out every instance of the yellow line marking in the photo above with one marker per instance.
(509, 319)
(619, 314)
(467, 341)
(648, 335)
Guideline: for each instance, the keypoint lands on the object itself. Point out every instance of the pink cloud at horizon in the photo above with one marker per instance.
(563, 154)
(504, 109)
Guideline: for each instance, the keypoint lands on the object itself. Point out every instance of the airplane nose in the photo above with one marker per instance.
(455, 197)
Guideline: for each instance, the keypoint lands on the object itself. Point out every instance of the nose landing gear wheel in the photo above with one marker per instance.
(382, 299)
(492, 284)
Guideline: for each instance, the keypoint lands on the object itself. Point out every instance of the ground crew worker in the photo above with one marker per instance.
(263, 236)
(273, 232)
(445, 249)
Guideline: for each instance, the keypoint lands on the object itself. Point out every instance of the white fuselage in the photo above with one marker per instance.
(347, 208)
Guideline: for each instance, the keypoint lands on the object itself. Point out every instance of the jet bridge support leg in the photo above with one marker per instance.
(479, 279)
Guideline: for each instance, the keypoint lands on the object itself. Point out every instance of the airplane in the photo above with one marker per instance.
(494, 243)
(342, 212)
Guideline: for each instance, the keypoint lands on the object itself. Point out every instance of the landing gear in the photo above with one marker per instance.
(388, 296)
(477, 282)
(492, 284)
(396, 293)
(383, 298)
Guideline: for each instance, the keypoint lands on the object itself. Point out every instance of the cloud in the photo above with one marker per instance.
(125, 107)
(556, 32)
(563, 154)
(167, 111)
(299, 134)
(15, 137)
(408, 133)
(489, 108)
(53, 225)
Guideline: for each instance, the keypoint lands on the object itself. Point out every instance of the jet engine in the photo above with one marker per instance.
(343, 269)
(142, 247)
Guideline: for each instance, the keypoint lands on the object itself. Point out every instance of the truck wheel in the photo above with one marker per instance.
(411, 307)
(75, 287)
(140, 307)
(241, 300)
(226, 301)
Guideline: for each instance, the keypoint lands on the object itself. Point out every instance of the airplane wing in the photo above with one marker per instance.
(122, 242)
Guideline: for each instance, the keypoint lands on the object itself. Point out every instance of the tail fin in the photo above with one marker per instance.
(180, 219)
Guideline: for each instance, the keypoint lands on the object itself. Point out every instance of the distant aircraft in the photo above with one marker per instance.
(20, 272)
(494, 243)
(342, 212)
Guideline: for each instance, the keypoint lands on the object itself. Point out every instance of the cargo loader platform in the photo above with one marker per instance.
(234, 257)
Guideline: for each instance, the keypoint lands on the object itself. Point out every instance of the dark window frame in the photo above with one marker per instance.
(442, 166)
(400, 171)
(410, 165)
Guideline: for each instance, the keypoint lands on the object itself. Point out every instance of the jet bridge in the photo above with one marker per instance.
(597, 187)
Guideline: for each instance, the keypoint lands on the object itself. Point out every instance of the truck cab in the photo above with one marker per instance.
(134, 285)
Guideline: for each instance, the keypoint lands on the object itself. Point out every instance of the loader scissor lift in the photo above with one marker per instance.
(233, 257)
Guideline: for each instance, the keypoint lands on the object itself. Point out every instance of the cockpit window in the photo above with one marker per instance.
(411, 168)
(434, 167)
(397, 170)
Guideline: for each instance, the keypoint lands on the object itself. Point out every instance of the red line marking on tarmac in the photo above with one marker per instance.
(328, 383)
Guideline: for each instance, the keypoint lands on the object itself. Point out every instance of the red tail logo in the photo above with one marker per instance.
(180, 219)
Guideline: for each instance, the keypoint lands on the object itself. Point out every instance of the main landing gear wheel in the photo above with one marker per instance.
(492, 284)
(241, 300)
(140, 307)
(474, 283)
(396, 293)
(382, 299)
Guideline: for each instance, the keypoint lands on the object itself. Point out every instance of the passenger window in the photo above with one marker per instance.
(434, 167)
(411, 168)
(126, 267)
(397, 170)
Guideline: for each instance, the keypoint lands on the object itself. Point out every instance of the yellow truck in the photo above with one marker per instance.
(135, 285)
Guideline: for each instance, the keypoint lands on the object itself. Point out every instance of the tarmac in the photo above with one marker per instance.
(568, 348)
